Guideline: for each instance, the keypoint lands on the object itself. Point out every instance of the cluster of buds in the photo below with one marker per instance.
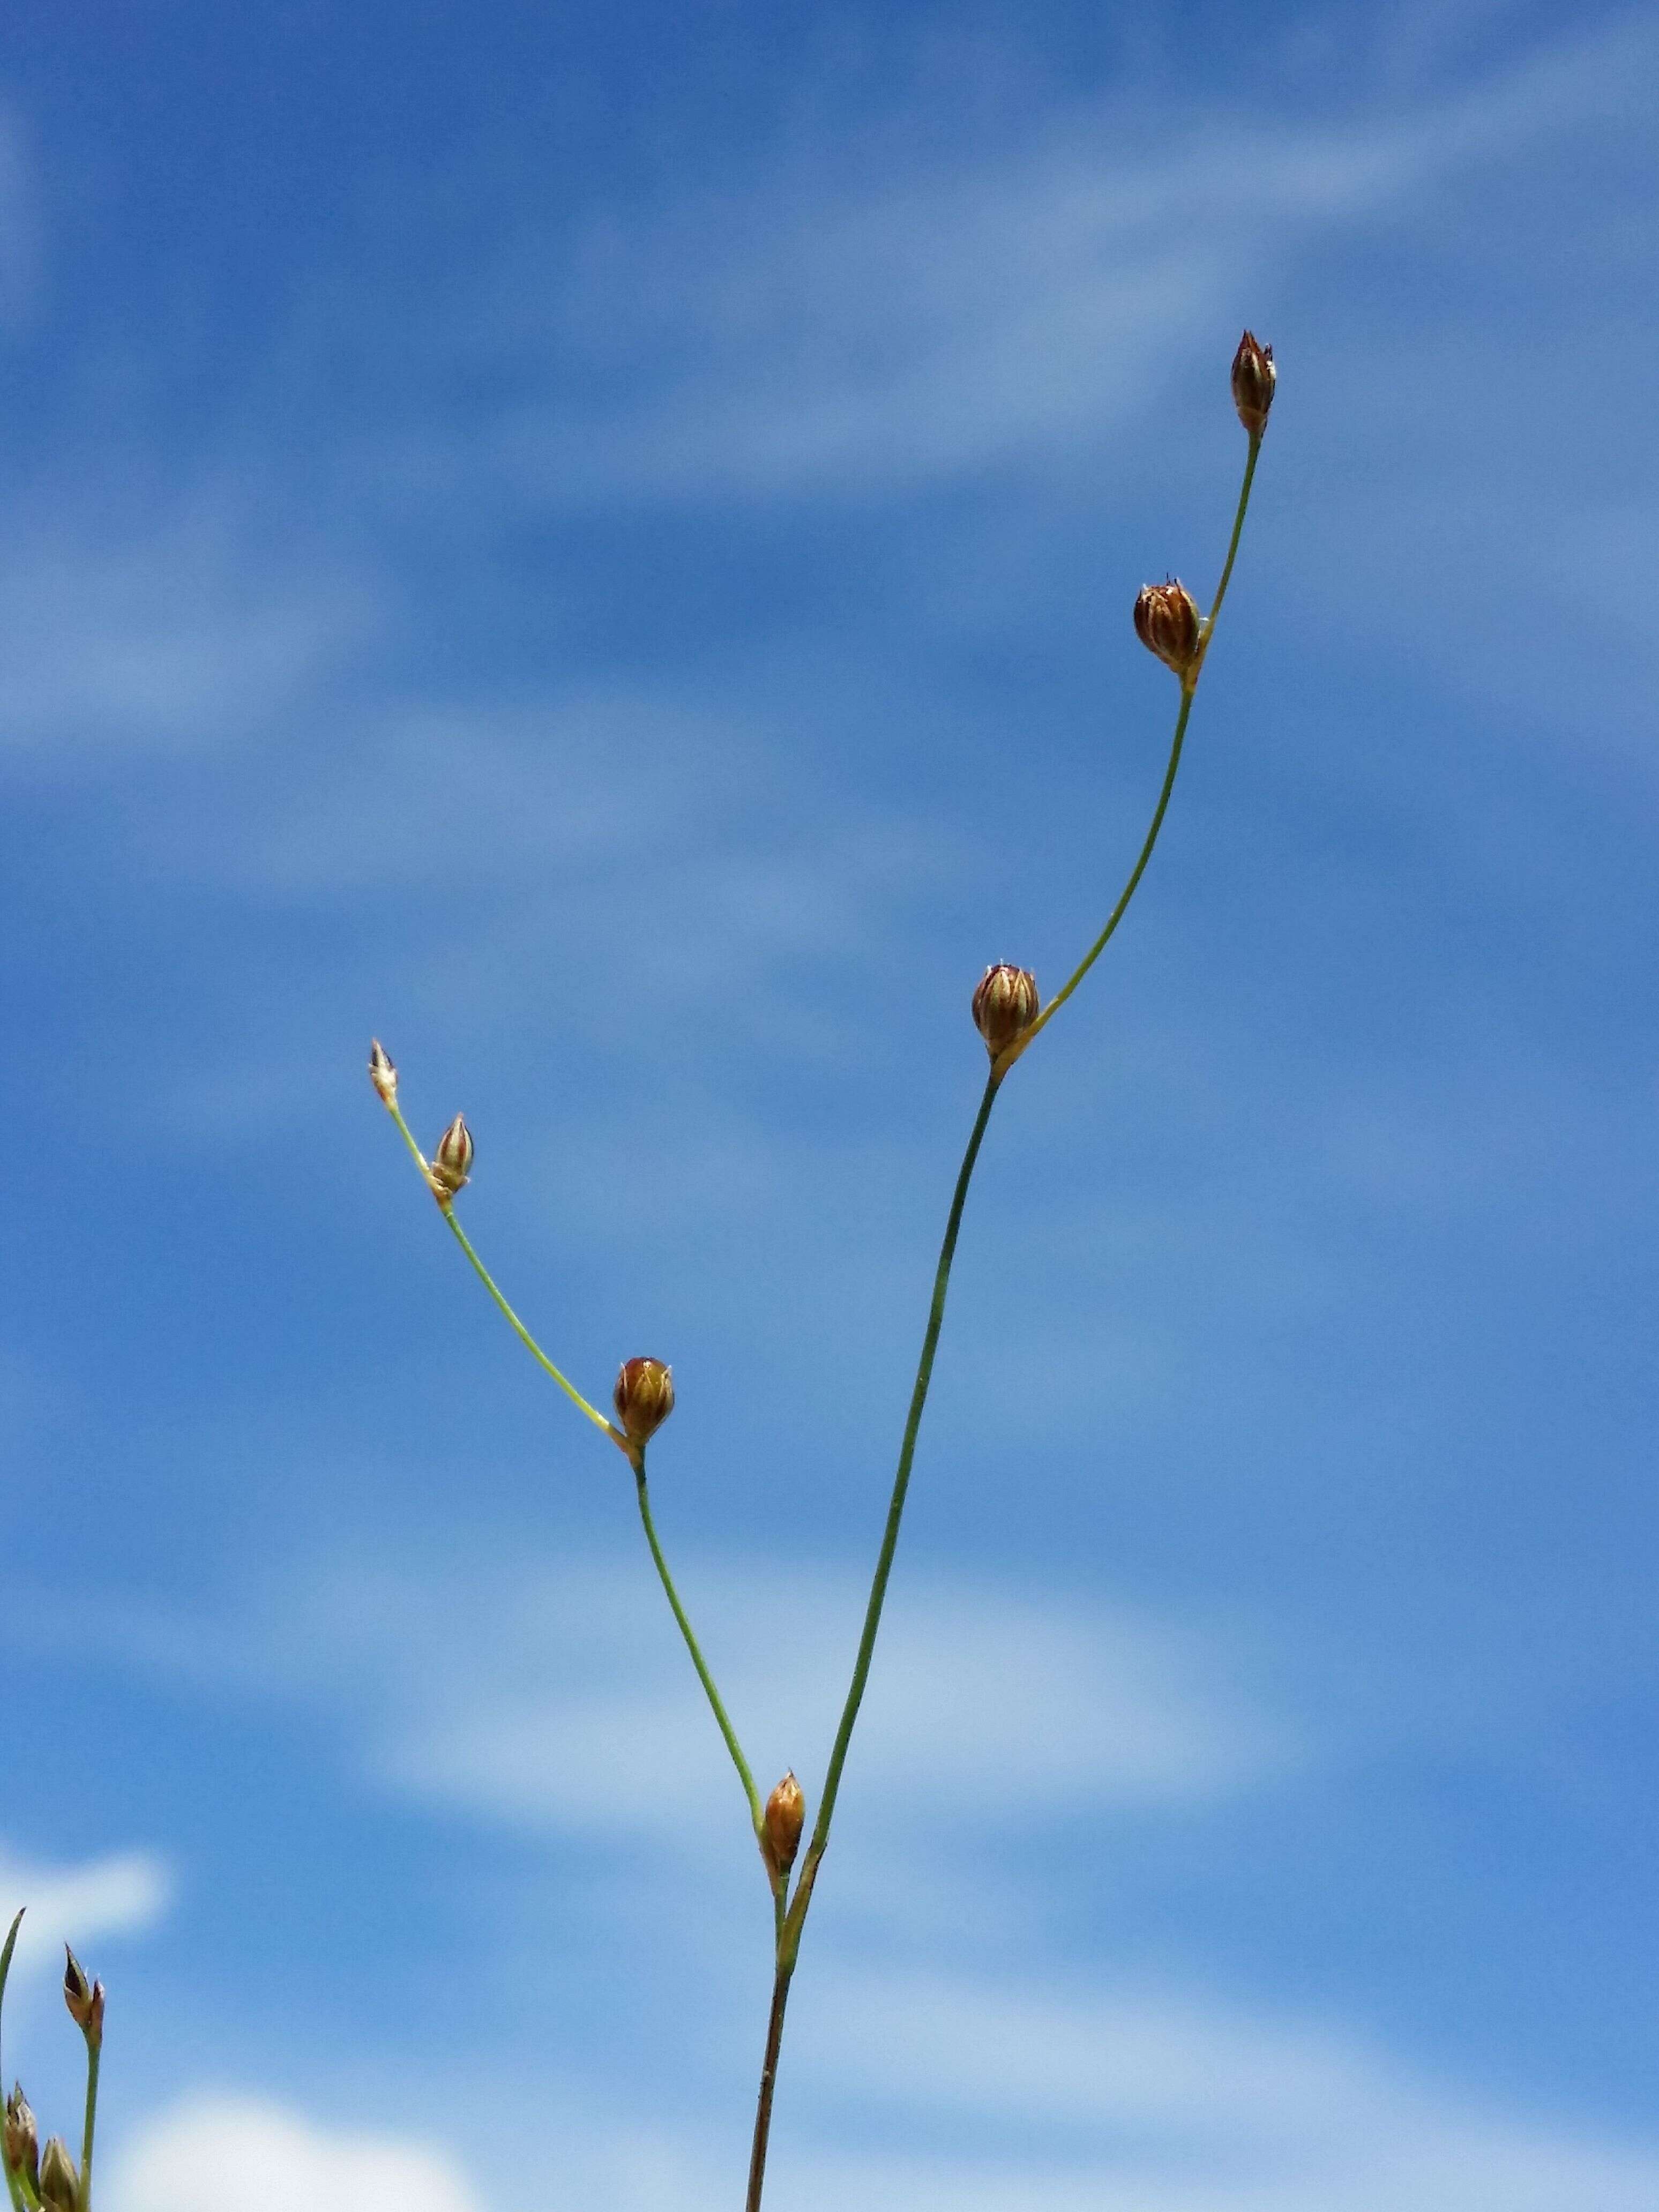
(47, 2177)
(643, 1398)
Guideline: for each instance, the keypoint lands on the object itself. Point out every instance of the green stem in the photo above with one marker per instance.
(1189, 686)
(1238, 531)
(697, 1659)
(13, 2181)
(489, 1282)
(797, 1914)
(94, 2058)
(1136, 873)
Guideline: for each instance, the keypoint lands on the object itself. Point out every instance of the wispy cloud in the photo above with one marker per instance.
(225, 2154)
(962, 316)
(541, 1700)
(118, 1895)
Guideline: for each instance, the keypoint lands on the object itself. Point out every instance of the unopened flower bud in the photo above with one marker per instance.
(22, 2143)
(1166, 622)
(1005, 1004)
(780, 1826)
(1253, 380)
(60, 2190)
(382, 1073)
(643, 1397)
(84, 1999)
(452, 1163)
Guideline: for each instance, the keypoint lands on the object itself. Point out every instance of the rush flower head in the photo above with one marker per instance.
(382, 1073)
(1005, 1004)
(452, 1163)
(781, 1824)
(1253, 380)
(643, 1397)
(1166, 622)
(60, 2187)
(23, 2139)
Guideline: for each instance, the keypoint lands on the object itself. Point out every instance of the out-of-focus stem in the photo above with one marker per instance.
(13, 2181)
(94, 2058)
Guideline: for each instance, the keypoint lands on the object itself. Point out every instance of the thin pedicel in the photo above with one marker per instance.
(1010, 1017)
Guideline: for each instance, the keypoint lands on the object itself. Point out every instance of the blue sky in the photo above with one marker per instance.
(601, 550)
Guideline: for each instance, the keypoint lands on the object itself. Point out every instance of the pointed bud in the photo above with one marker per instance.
(643, 1397)
(60, 2190)
(22, 2143)
(452, 1163)
(1005, 1004)
(1166, 622)
(382, 1073)
(1253, 380)
(781, 1824)
(79, 1994)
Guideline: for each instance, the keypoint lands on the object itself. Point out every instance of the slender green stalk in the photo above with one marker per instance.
(637, 1458)
(691, 1646)
(815, 1849)
(794, 1920)
(1189, 685)
(94, 2058)
(1238, 531)
(489, 1282)
(13, 2180)
(1136, 875)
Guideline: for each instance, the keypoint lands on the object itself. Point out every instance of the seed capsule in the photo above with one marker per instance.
(22, 2142)
(60, 2190)
(780, 1826)
(382, 1073)
(643, 1397)
(1005, 1004)
(1254, 379)
(1166, 622)
(452, 1163)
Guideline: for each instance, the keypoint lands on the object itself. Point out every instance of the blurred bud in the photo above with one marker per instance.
(381, 1072)
(643, 1397)
(1005, 1004)
(84, 2002)
(452, 1163)
(781, 1824)
(1166, 622)
(22, 2143)
(60, 2191)
(1253, 379)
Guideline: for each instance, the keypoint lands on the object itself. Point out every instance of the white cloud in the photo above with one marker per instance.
(238, 2156)
(119, 1895)
(1177, 2106)
(541, 1699)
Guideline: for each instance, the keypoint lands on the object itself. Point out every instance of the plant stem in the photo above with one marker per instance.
(488, 1281)
(636, 1459)
(1238, 531)
(94, 2058)
(13, 2181)
(768, 2083)
(1136, 875)
(691, 1646)
(890, 1537)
